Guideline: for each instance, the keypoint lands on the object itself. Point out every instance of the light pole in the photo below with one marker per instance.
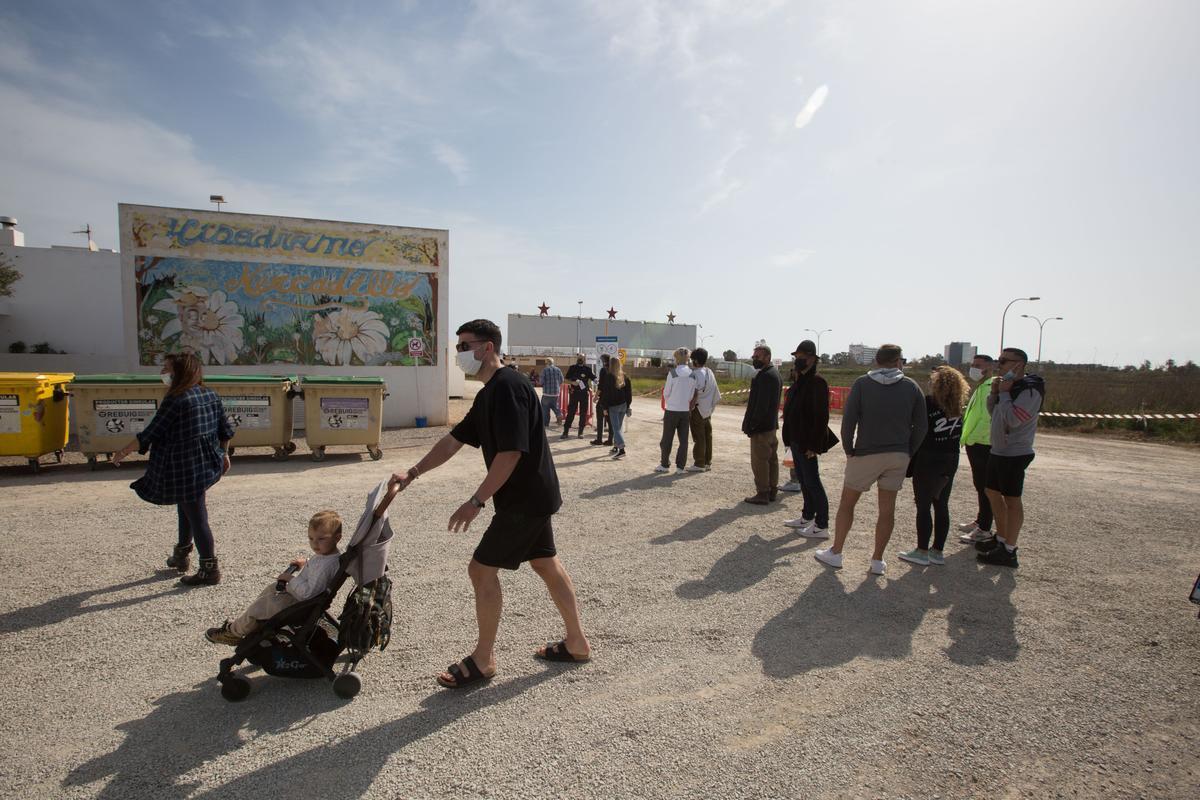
(578, 334)
(1041, 324)
(1005, 314)
(704, 335)
(818, 333)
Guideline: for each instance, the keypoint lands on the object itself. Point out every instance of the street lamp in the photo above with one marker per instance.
(1002, 316)
(1041, 324)
(818, 333)
(705, 335)
(578, 334)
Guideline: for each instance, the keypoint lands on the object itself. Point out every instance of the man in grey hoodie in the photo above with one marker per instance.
(887, 411)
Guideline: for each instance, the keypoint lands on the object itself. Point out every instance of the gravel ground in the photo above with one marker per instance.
(728, 663)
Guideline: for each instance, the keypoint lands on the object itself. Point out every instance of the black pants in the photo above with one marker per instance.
(816, 502)
(977, 455)
(193, 526)
(600, 410)
(675, 424)
(933, 478)
(577, 403)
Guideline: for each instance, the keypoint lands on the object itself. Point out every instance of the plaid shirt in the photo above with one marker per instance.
(184, 443)
(552, 379)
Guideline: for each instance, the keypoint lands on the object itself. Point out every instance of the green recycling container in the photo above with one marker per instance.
(259, 408)
(343, 411)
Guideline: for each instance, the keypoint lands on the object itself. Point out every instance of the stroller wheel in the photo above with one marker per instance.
(345, 686)
(235, 688)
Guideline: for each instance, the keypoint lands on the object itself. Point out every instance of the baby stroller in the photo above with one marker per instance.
(296, 642)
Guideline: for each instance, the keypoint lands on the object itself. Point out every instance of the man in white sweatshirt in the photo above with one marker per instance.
(680, 395)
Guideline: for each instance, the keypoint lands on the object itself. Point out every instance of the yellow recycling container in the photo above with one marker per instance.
(343, 410)
(33, 414)
(259, 407)
(111, 409)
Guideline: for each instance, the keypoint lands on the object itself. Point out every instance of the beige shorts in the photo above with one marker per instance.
(887, 468)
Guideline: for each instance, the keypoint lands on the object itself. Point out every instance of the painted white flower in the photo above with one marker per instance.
(207, 324)
(347, 332)
(262, 340)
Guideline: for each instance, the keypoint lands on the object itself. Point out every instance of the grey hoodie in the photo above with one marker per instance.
(888, 412)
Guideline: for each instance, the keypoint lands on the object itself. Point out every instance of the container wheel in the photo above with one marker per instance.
(375, 452)
(290, 447)
(281, 454)
(58, 454)
(318, 454)
(35, 466)
(229, 451)
(348, 685)
(92, 464)
(235, 688)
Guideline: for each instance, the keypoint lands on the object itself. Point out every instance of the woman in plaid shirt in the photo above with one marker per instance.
(186, 439)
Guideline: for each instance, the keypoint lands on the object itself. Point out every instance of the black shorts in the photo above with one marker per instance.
(511, 539)
(1006, 474)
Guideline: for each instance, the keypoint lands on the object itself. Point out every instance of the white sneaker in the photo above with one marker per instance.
(976, 534)
(661, 468)
(967, 527)
(790, 486)
(829, 558)
(815, 533)
(695, 468)
(680, 471)
(878, 566)
(800, 523)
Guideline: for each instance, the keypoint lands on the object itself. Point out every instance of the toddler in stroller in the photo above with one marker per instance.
(290, 640)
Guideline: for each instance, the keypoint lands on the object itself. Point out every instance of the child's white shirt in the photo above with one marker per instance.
(315, 577)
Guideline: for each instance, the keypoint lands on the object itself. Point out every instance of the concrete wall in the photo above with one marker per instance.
(530, 333)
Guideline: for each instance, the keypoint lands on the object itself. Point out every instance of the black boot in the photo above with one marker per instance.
(181, 558)
(209, 574)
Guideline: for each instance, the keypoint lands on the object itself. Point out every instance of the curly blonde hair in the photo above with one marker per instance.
(949, 389)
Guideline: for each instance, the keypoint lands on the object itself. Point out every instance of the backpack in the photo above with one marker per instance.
(367, 617)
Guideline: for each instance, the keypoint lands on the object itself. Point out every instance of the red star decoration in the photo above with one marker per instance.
(612, 313)
(671, 318)
(545, 309)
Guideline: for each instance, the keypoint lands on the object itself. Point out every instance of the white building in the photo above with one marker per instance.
(862, 354)
(959, 353)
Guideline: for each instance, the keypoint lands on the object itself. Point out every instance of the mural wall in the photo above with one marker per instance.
(238, 289)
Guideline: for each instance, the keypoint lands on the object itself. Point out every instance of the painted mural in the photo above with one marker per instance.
(235, 312)
(243, 289)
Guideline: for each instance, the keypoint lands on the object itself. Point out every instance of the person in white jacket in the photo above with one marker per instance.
(680, 397)
(707, 397)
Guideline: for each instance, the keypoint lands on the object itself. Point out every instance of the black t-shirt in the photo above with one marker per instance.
(506, 416)
(944, 432)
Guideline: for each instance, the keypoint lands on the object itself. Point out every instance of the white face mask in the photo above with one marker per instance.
(976, 373)
(468, 363)
(1008, 376)
(166, 378)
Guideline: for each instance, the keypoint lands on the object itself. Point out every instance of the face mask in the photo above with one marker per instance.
(166, 378)
(1008, 376)
(757, 363)
(468, 363)
(976, 373)
(801, 364)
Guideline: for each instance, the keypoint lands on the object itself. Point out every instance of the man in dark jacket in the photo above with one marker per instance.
(760, 424)
(806, 432)
(580, 377)
(601, 408)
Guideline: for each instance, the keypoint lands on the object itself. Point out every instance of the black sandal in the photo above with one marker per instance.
(461, 679)
(557, 651)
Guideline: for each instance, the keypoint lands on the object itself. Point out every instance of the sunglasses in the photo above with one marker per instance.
(463, 347)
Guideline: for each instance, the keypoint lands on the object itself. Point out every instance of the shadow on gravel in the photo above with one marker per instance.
(828, 626)
(637, 483)
(745, 565)
(696, 529)
(72, 605)
(242, 465)
(348, 767)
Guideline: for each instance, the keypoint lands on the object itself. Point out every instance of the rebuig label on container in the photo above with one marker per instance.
(117, 417)
(247, 412)
(341, 413)
(10, 414)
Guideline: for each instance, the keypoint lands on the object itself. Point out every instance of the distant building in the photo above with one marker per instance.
(863, 354)
(959, 353)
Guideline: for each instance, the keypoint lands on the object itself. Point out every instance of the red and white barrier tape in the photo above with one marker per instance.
(1063, 415)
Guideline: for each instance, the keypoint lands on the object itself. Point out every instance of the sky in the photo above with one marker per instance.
(892, 171)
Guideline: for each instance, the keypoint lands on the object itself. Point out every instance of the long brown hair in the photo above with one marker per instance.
(949, 389)
(618, 370)
(186, 372)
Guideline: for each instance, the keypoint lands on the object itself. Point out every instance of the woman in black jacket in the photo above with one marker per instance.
(616, 394)
(806, 432)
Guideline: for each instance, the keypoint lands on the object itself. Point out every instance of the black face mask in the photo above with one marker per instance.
(801, 365)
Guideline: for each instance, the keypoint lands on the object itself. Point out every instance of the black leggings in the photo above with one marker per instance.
(193, 526)
(933, 478)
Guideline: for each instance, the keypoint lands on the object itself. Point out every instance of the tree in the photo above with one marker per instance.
(8, 273)
(930, 361)
(824, 358)
(729, 355)
(840, 359)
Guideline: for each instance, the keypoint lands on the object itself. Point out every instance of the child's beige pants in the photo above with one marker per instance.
(267, 605)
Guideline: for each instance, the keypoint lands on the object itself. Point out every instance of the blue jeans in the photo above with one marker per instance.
(193, 526)
(616, 419)
(550, 402)
(816, 502)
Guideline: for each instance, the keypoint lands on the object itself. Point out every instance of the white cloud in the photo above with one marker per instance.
(791, 259)
(722, 194)
(812, 106)
(452, 160)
